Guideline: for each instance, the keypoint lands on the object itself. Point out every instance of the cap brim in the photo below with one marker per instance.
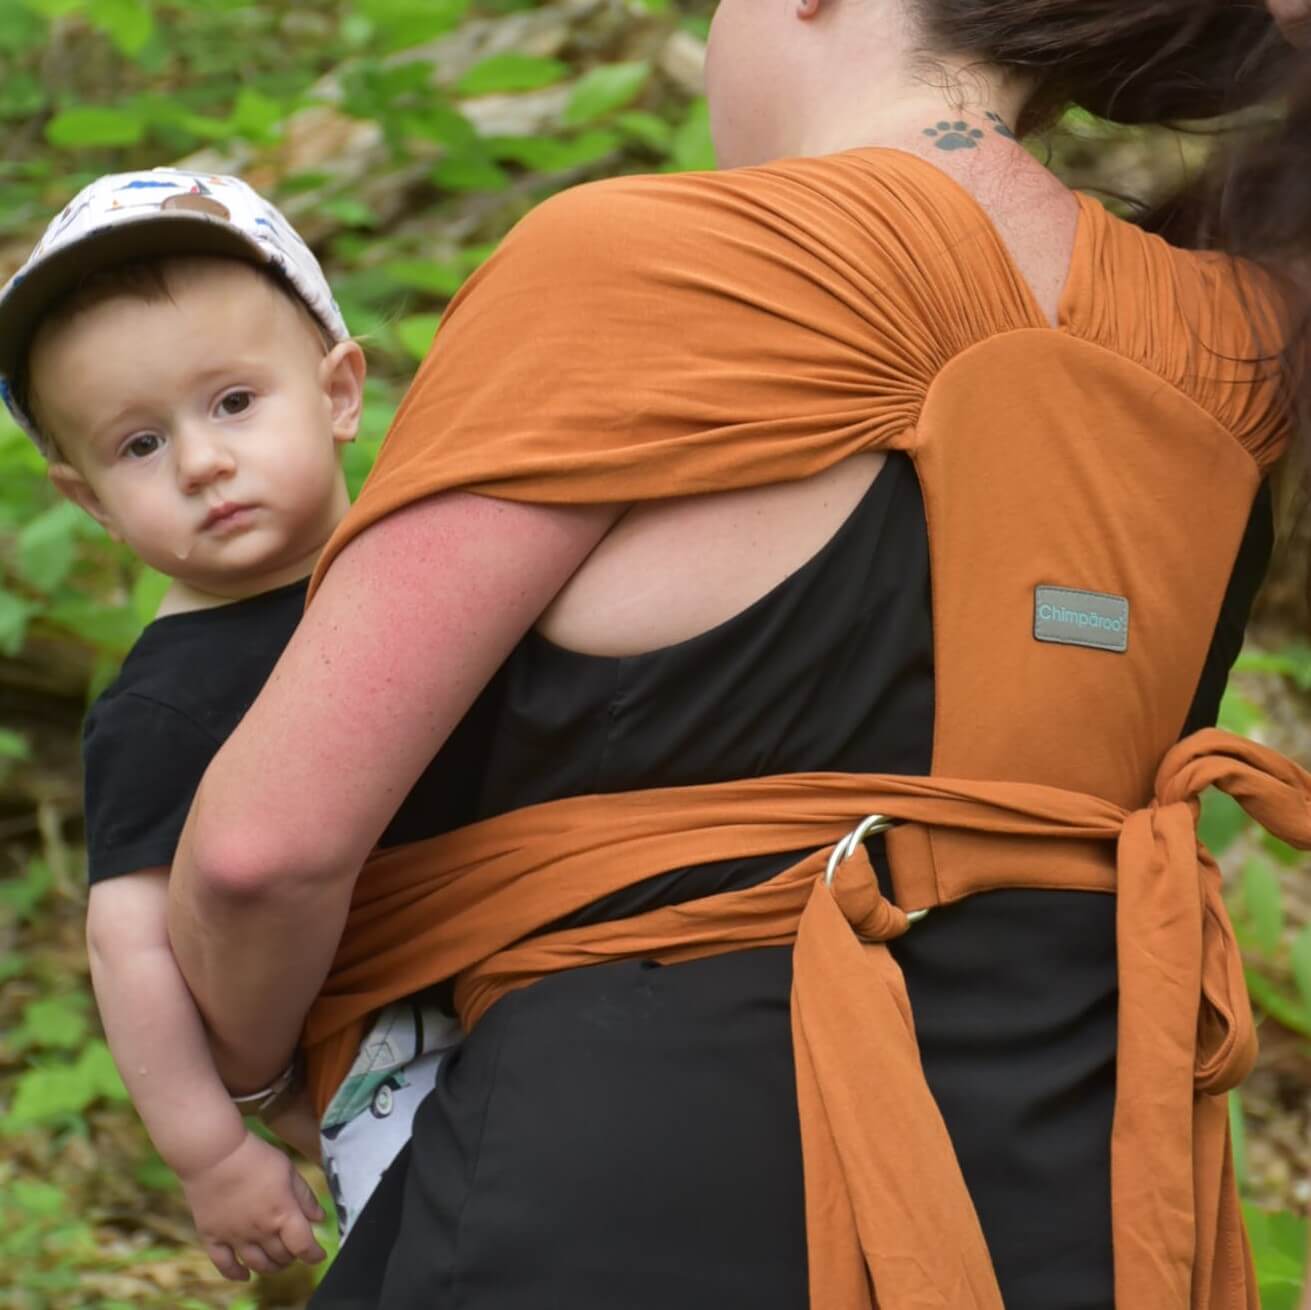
(156, 236)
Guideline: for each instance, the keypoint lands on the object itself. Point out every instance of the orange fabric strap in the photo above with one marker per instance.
(882, 1183)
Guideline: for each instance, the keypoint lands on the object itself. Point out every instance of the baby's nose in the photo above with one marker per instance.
(202, 458)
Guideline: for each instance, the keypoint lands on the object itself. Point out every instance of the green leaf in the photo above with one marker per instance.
(469, 171)
(21, 896)
(416, 333)
(21, 29)
(1280, 851)
(46, 1094)
(693, 150)
(127, 23)
(109, 627)
(551, 155)
(147, 593)
(14, 746)
(440, 123)
(650, 129)
(155, 1176)
(37, 1198)
(1293, 662)
(55, 8)
(1239, 714)
(14, 615)
(55, 1023)
(1222, 823)
(436, 277)
(1238, 1134)
(90, 126)
(1299, 957)
(255, 115)
(351, 212)
(1279, 1293)
(47, 546)
(604, 89)
(1279, 1250)
(399, 24)
(96, 1064)
(511, 72)
(1264, 903)
(21, 95)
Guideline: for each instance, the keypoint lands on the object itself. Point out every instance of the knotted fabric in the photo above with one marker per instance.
(887, 1209)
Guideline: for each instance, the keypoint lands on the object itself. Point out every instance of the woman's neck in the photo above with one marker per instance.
(936, 109)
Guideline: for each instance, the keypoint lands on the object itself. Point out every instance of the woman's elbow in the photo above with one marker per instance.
(245, 866)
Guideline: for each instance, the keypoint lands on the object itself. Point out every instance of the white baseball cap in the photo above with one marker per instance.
(164, 211)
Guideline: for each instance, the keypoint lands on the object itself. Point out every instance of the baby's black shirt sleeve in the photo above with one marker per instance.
(143, 761)
(149, 738)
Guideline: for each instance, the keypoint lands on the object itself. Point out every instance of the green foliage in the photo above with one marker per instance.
(1279, 1248)
(511, 72)
(61, 1091)
(605, 89)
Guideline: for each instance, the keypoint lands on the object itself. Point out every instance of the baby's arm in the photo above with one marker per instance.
(252, 1209)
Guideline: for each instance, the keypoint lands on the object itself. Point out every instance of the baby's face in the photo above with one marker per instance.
(201, 429)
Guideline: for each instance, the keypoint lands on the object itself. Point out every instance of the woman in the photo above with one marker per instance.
(882, 455)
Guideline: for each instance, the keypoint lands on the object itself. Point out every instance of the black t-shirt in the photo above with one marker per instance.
(181, 691)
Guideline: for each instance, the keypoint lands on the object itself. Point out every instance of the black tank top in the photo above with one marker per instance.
(1014, 992)
(832, 669)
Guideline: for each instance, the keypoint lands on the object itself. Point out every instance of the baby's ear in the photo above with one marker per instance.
(342, 378)
(73, 486)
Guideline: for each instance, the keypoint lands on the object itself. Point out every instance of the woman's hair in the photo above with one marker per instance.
(1171, 62)
(1130, 61)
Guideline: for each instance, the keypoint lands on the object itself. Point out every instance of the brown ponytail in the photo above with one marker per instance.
(1130, 61)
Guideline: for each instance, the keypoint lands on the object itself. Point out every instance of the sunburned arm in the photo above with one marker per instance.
(251, 1209)
(411, 622)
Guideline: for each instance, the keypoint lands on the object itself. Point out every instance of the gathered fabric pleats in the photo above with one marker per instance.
(890, 1221)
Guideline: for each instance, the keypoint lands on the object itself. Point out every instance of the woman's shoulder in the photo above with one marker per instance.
(869, 243)
(1215, 327)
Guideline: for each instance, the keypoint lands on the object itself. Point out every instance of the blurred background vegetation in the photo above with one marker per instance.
(404, 137)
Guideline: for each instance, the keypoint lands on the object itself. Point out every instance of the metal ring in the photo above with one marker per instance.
(846, 848)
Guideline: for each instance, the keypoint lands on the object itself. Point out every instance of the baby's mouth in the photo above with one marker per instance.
(224, 513)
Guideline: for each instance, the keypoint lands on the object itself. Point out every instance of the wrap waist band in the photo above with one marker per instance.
(887, 1208)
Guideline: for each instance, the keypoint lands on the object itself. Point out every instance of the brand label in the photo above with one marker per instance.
(1081, 618)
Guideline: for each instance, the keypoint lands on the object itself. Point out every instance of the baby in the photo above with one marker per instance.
(174, 350)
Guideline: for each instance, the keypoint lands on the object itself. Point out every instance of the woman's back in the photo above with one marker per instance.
(670, 570)
(831, 666)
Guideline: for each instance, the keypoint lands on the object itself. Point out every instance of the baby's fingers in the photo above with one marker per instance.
(254, 1257)
(296, 1230)
(305, 1198)
(276, 1251)
(299, 1238)
(226, 1262)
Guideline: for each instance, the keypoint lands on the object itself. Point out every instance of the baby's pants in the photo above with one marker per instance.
(368, 1120)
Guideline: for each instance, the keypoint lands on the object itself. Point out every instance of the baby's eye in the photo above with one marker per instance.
(236, 402)
(141, 446)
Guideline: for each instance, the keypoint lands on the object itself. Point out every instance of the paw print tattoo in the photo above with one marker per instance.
(954, 136)
(999, 126)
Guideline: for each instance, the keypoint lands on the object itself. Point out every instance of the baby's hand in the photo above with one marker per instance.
(253, 1211)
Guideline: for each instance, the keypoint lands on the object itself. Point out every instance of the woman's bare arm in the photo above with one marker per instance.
(411, 622)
